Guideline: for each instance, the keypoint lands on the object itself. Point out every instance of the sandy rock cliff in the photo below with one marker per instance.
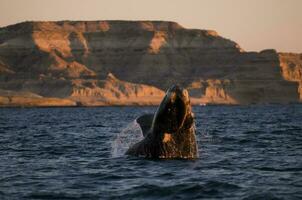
(291, 67)
(133, 62)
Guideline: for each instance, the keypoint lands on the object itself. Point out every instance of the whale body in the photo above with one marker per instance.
(170, 132)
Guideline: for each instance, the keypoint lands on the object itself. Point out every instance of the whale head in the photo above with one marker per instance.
(174, 112)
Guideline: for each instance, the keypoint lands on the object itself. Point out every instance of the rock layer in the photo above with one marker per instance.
(80, 92)
(71, 60)
(291, 66)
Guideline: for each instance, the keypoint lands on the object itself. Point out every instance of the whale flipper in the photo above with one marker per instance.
(145, 122)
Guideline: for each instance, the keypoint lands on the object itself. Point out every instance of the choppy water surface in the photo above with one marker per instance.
(251, 152)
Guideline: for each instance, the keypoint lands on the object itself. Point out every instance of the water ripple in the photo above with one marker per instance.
(246, 152)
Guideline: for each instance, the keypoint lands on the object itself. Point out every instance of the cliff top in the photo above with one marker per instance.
(100, 25)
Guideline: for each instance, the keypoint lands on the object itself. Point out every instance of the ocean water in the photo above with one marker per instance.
(246, 152)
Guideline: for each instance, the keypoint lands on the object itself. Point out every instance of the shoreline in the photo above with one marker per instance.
(148, 105)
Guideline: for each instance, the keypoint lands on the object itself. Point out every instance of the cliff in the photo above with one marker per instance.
(291, 67)
(80, 92)
(71, 60)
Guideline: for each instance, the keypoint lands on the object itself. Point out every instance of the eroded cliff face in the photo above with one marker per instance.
(79, 92)
(291, 66)
(71, 60)
(112, 91)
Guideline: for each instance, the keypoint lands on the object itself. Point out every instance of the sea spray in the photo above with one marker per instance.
(126, 138)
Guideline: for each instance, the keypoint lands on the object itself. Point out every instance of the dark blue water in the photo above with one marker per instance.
(251, 152)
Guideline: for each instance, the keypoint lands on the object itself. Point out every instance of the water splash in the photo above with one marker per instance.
(126, 138)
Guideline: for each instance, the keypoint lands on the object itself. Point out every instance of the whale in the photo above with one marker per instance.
(169, 133)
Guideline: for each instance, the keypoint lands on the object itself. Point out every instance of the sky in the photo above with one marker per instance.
(254, 24)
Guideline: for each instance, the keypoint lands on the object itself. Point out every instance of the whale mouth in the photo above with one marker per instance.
(174, 108)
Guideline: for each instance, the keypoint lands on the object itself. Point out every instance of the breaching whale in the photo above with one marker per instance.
(170, 132)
